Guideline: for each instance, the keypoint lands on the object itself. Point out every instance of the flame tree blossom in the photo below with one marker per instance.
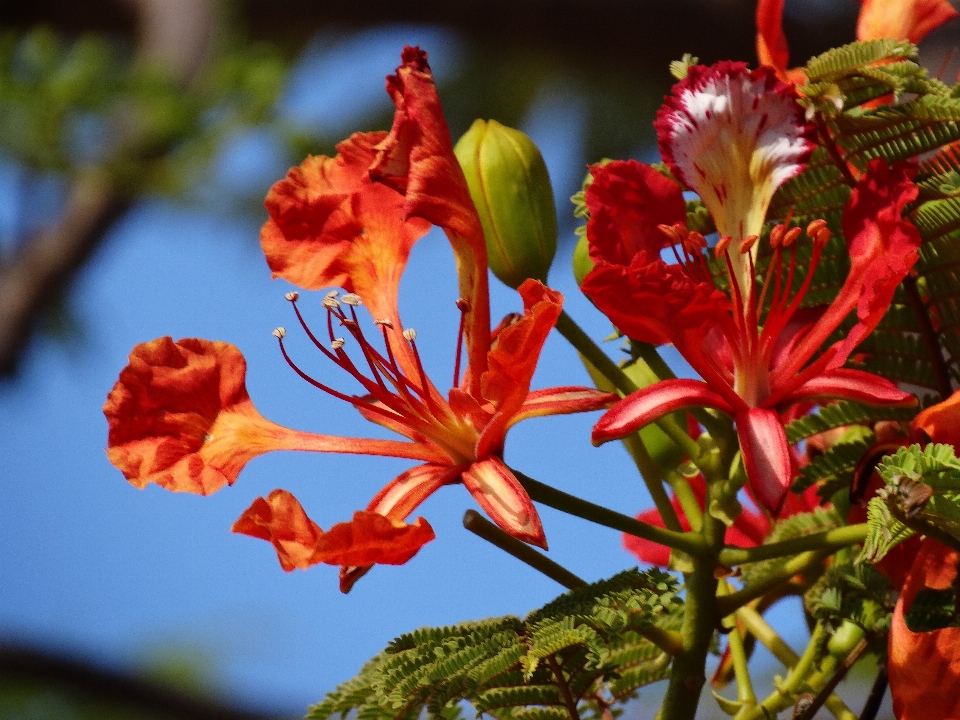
(754, 363)
(181, 417)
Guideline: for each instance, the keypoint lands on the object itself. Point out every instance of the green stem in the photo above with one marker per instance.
(651, 478)
(615, 374)
(700, 618)
(828, 540)
(572, 505)
(794, 566)
(480, 526)
(688, 501)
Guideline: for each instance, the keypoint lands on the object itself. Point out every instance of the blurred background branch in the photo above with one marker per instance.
(122, 99)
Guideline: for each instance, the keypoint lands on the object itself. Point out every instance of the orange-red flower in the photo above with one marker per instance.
(180, 415)
(892, 19)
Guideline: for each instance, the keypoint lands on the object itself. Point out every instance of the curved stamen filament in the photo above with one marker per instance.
(463, 306)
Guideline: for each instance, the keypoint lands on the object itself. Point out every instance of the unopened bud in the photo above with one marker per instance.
(510, 187)
(582, 264)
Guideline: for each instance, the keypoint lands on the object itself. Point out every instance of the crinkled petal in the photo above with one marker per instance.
(499, 493)
(627, 200)
(653, 402)
(370, 538)
(734, 137)
(902, 19)
(924, 667)
(766, 456)
(331, 226)
(280, 520)
(416, 159)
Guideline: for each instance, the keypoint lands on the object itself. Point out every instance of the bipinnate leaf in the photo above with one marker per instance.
(507, 667)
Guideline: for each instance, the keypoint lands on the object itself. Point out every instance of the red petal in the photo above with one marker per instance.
(370, 539)
(766, 456)
(563, 401)
(771, 42)
(513, 359)
(924, 667)
(498, 492)
(281, 520)
(650, 403)
(627, 200)
(855, 385)
(404, 493)
(331, 226)
(902, 19)
(417, 160)
(180, 416)
(647, 550)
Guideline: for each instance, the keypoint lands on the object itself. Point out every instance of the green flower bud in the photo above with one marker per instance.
(510, 187)
(582, 264)
(845, 639)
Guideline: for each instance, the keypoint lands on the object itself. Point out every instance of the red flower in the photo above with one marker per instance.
(351, 221)
(754, 366)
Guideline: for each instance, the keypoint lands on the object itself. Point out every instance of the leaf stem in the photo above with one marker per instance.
(795, 566)
(583, 343)
(480, 526)
(563, 687)
(688, 542)
(827, 540)
(930, 338)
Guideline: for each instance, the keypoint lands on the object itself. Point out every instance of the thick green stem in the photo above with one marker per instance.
(794, 566)
(610, 370)
(688, 542)
(480, 526)
(700, 618)
(828, 540)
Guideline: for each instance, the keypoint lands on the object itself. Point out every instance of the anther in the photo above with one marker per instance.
(747, 243)
(292, 296)
(823, 236)
(337, 343)
(351, 299)
(384, 324)
(791, 236)
(330, 300)
(776, 236)
(463, 305)
(722, 244)
(696, 240)
(815, 226)
(410, 334)
(280, 333)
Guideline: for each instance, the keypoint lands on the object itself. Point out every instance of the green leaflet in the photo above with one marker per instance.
(503, 666)
(922, 495)
(834, 469)
(838, 414)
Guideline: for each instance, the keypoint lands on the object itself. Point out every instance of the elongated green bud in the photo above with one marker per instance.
(510, 186)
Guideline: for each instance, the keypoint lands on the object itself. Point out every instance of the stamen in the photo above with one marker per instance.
(351, 299)
(464, 307)
(722, 245)
(747, 244)
(815, 226)
(279, 333)
(410, 334)
(822, 238)
(292, 296)
(776, 236)
(338, 343)
(791, 236)
(330, 300)
(384, 324)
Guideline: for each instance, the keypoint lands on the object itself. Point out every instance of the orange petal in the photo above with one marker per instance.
(924, 667)
(941, 422)
(416, 159)
(500, 494)
(331, 226)
(772, 47)
(403, 494)
(513, 359)
(371, 538)
(902, 19)
(281, 520)
(180, 416)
